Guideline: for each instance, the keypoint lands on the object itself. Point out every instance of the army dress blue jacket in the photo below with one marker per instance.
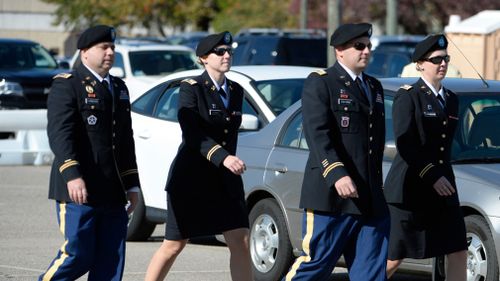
(90, 133)
(346, 135)
(423, 132)
(209, 135)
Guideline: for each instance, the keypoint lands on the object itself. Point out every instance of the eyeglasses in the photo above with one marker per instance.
(361, 46)
(220, 51)
(438, 59)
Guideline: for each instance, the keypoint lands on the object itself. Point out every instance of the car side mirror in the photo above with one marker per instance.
(64, 65)
(390, 150)
(117, 72)
(249, 122)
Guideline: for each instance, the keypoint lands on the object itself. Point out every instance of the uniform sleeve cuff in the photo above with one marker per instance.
(133, 189)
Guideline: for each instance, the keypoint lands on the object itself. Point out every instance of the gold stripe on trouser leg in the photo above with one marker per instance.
(305, 245)
(57, 263)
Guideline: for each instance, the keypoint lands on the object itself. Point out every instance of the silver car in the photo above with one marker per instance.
(276, 157)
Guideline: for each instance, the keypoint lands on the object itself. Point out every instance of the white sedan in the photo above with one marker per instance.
(269, 90)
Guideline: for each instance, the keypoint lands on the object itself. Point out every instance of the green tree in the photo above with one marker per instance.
(236, 15)
(154, 15)
(151, 14)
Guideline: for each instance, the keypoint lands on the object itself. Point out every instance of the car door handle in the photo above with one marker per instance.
(145, 134)
(280, 169)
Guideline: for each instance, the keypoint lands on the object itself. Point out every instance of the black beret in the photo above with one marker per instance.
(213, 40)
(429, 44)
(350, 31)
(95, 35)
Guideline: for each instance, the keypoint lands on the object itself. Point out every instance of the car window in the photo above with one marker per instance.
(387, 64)
(388, 101)
(302, 51)
(260, 51)
(168, 104)
(24, 56)
(145, 104)
(478, 134)
(119, 61)
(280, 94)
(293, 136)
(160, 62)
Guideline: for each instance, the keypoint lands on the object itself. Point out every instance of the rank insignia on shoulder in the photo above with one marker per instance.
(190, 81)
(62, 75)
(406, 87)
(321, 72)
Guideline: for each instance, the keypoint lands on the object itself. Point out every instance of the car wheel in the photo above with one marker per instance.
(482, 263)
(139, 228)
(270, 247)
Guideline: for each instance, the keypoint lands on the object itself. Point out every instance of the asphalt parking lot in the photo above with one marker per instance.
(29, 237)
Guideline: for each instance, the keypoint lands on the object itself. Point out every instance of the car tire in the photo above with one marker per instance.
(270, 248)
(481, 250)
(481, 256)
(139, 228)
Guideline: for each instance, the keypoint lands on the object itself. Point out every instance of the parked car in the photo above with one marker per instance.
(276, 157)
(26, 71)
(269, 90)
(387, 63)
(390, 54)
(280, 47)
(140, 63)
(396, 42)
(188, 39)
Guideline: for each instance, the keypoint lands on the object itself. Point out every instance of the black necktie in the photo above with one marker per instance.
(106, 85)
(222, 93)
(441, 100)
(362, 88)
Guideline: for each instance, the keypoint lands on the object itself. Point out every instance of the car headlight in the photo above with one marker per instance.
(10, 88)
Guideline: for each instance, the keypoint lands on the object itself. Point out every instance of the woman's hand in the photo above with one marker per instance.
(443, 187)
(234, 164)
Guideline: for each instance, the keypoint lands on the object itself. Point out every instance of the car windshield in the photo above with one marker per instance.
(477, 137)
(160, 62)
(280, 94)
(25, 56)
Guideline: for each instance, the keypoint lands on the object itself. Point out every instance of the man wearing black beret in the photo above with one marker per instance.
(425, 118)
(94, 172)
(344, 124)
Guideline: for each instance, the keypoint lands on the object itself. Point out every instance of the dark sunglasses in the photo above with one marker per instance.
(438, 59)
(361, 46)
(220, 51)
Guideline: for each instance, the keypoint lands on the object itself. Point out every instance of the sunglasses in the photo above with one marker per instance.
(361, 46)
(438, 59)
(220, 51)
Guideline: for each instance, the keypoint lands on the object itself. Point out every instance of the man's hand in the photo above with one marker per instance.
(346, 188)
(132, 198)
(443, 187)
(234, 164)
(77, 191)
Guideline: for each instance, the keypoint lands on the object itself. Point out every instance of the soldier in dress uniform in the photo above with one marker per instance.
(204, 190)
(94, 172)
(344, 207)
(426, 220)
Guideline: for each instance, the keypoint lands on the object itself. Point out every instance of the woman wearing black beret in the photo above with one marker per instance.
(204, 190)
(420, 188)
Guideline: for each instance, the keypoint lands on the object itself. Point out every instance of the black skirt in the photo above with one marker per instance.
(422, 235)
(195, 215)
